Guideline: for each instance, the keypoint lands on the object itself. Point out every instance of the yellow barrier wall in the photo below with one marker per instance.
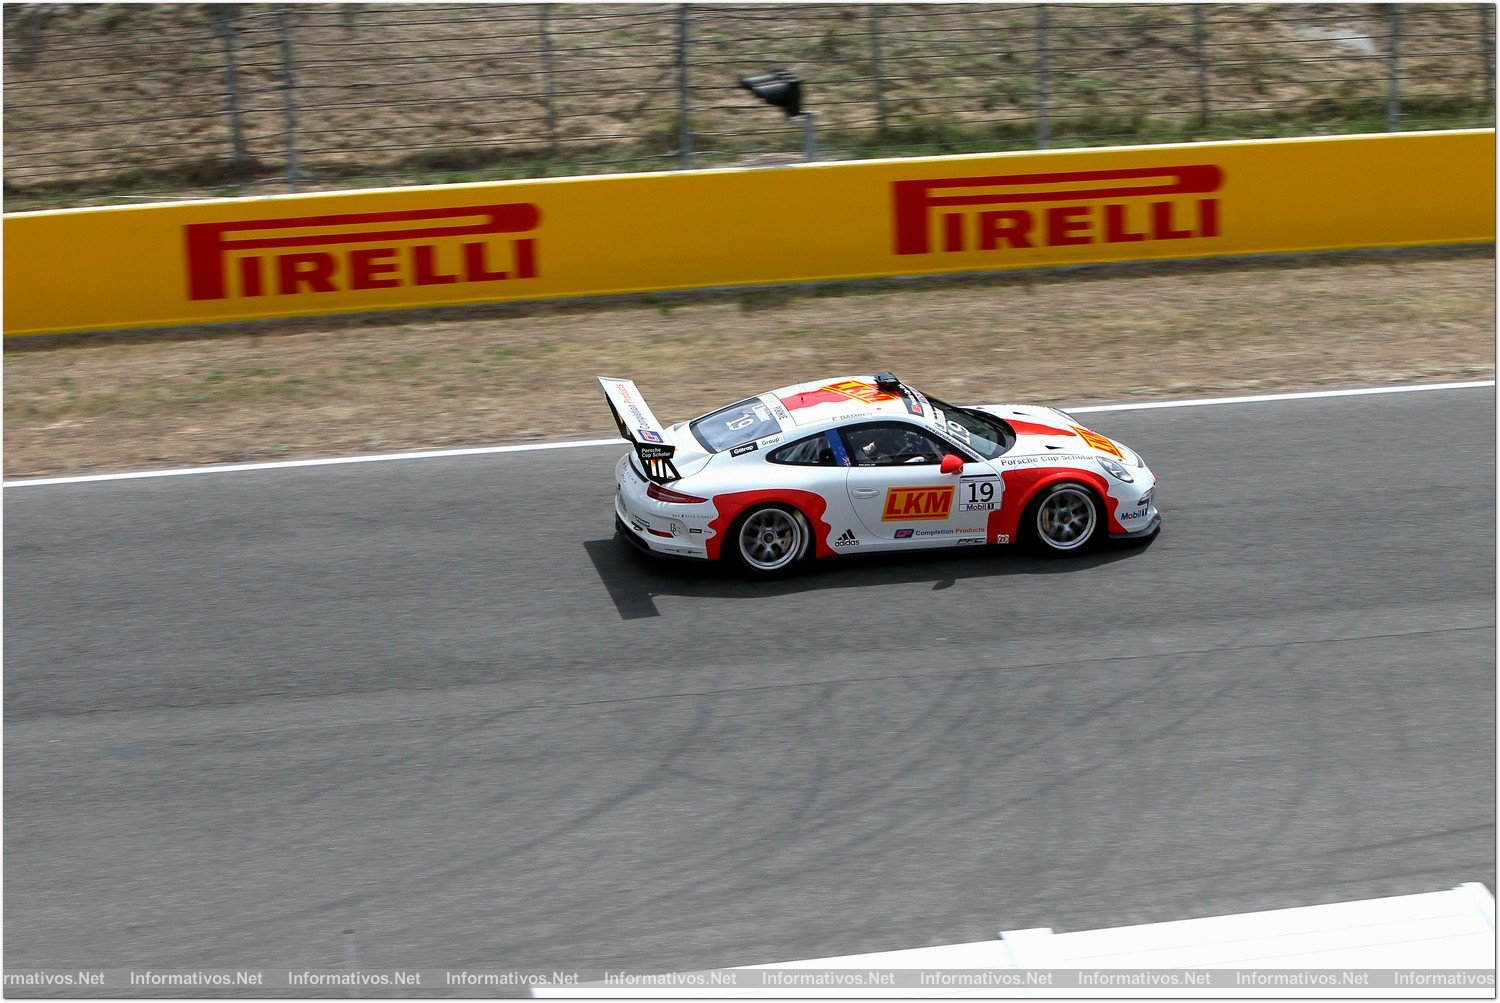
(85, 269)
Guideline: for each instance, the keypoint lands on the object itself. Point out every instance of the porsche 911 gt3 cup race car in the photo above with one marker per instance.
(867, 465)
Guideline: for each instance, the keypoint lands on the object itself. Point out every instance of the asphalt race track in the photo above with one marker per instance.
(434, 702)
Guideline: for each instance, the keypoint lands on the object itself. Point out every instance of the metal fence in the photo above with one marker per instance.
(126, 100)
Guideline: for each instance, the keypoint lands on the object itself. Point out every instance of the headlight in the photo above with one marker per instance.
(1116, 471)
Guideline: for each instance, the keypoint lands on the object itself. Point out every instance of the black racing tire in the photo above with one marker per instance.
(1064, 520)
(767, 542)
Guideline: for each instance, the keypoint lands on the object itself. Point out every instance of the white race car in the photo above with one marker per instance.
(867, 464)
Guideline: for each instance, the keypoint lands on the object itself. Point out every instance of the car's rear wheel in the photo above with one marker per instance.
(1064, 519)
(769, 541)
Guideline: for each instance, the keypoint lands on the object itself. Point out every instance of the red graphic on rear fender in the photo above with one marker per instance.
(729, 506)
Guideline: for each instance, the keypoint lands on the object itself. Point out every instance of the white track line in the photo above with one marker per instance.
(431, 454)
(1302, 395)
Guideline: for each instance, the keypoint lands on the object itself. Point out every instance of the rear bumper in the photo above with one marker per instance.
(640, 543)
(661, 529)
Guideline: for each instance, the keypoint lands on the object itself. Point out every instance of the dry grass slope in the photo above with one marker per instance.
(124, 98)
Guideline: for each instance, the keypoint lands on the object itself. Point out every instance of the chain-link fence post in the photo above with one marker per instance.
(878, 66)
(1200, 54)
(224, 26)
(1393, 75)
(1043, 126)
(289, 100)
(549, 84)
(684, 130)
(1487, 51)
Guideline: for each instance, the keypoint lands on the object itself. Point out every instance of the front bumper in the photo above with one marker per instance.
(1151, 529)
(1139, 518)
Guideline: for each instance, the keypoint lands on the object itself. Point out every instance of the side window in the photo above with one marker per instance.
(813, 451)
(891, 445)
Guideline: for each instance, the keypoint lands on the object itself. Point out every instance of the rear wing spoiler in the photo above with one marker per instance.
(641, 430)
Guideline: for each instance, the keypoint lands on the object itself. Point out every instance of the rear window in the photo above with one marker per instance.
(735, 425)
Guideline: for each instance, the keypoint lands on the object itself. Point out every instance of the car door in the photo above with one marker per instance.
(901, 495)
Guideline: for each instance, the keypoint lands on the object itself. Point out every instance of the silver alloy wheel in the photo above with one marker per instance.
(771, 539)
(1065, 519)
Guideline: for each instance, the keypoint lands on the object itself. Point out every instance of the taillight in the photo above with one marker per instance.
(662, 494)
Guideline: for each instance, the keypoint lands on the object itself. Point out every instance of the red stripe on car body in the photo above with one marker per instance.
(729, 506)
(1032, 428)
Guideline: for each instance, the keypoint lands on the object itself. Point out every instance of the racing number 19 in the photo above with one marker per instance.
(977, 494)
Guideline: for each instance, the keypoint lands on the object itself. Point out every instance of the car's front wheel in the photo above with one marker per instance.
(1064, 519)
(769, 541)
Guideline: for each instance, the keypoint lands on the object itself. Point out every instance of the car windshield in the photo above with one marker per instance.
(735, 425)
(983, 434)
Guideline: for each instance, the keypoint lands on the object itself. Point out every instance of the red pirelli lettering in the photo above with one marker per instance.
(286, 246)
(1056, 209)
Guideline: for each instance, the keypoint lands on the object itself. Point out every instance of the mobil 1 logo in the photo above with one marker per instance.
(979, 494)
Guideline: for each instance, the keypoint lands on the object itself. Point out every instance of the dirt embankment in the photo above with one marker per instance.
(515, 373)
(126, 99)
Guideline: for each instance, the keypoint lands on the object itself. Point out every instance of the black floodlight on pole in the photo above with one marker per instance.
(783, 89)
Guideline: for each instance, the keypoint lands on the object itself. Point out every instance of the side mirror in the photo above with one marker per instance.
(952, 464)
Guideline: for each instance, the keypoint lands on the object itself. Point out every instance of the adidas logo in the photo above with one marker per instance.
(847, 539)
